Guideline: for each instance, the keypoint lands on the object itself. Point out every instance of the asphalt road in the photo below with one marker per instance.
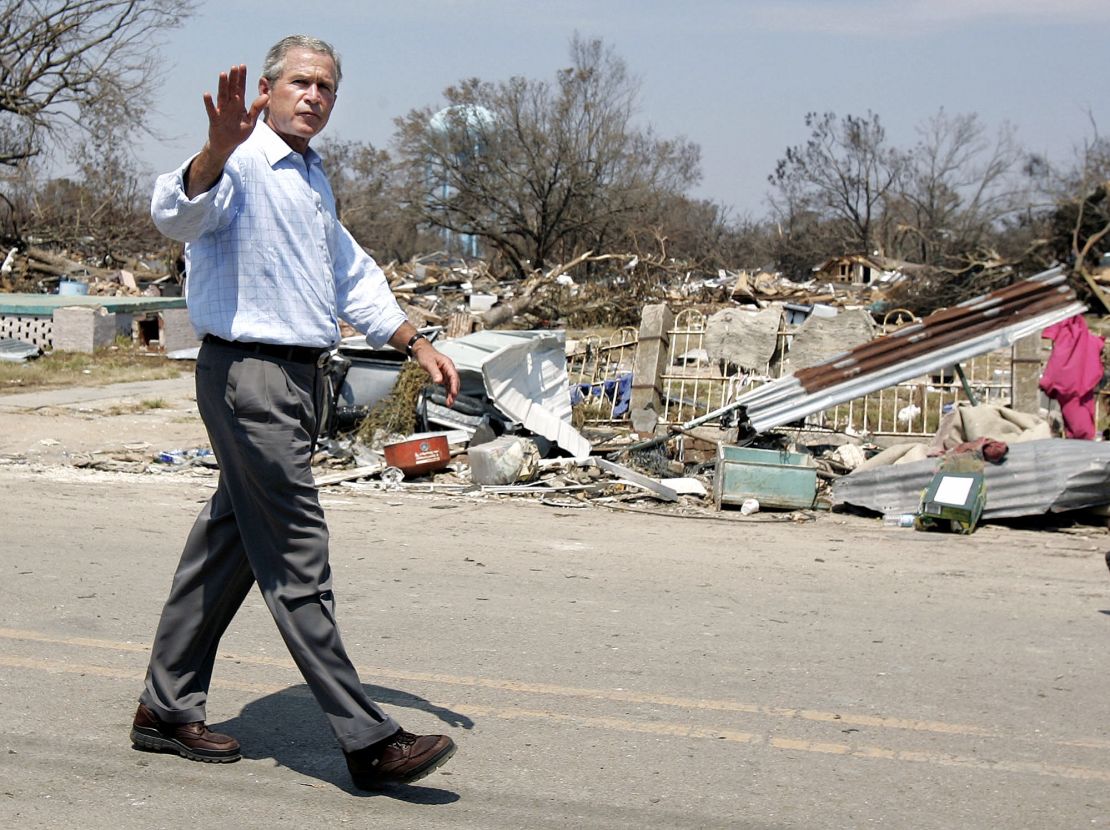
(598, 669)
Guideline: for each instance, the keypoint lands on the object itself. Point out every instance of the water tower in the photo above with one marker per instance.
(462, 128)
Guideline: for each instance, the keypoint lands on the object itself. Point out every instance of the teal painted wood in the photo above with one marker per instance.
(44, 305)
(773, 478)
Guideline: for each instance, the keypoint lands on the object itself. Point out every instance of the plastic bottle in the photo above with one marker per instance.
(392, 478)
(749, 506)
(899, 519)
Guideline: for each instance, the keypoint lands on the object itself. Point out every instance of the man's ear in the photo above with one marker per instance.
(263, 86)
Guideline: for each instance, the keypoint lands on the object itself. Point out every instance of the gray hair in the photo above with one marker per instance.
(274, 64)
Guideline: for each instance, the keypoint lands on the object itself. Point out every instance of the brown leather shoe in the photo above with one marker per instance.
(400, 759)
(194, 741)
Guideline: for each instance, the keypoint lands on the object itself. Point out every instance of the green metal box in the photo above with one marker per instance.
(774, 478)
(957, 498)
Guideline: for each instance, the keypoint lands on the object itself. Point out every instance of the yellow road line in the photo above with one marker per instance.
(661, 729)
(609, 695)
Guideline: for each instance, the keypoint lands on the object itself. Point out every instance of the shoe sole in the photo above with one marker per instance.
(422, 771)
(154, 741)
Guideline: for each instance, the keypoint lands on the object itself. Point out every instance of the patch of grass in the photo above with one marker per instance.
(396, 413)
(136, 406)
(110, 364)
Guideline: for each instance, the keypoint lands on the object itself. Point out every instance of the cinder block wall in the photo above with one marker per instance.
(31, 328)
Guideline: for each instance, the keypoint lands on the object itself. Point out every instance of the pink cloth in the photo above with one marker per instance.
(1073, 372)
(987, 449)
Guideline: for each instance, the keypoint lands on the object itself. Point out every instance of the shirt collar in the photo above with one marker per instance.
(274, 148)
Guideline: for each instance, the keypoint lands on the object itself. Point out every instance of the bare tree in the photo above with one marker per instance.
(365, 185)
(698, 234)
(1075, 231)
(58, 57)
(105, 210)
(541, 171)
(842, 175)
(802, 234)
(1084, 210)
(960, 185)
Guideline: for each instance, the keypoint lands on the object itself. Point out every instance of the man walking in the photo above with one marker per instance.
(270, 272)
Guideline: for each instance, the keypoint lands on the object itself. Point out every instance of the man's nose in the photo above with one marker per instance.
(314, 94)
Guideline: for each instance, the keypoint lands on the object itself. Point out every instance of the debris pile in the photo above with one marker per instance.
(517, 428)
(38, 271)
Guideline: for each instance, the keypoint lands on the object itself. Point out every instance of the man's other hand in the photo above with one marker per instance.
(439, 366)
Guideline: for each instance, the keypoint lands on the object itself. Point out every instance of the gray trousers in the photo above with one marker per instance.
(264, 524)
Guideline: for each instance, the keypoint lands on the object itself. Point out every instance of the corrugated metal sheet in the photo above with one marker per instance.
(524, 374)
(942, 339)
(17, 350)
(1036, 477)
(472, 351)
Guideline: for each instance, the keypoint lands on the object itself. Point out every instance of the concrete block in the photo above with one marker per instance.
(504, 460)
(83, 328)
(176, 331)
(650, 363)
(124, 322)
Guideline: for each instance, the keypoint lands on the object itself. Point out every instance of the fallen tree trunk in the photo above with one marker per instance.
(44, 262)
(530, 294)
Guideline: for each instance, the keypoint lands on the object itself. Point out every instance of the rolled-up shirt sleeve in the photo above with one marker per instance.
(362, 292)
(184, 219)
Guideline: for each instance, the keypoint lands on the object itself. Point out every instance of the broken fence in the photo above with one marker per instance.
(600, 372)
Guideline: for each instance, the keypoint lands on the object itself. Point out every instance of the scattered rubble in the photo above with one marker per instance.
(512, 432)
(36, 270)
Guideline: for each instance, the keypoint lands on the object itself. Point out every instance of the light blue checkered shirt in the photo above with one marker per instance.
(267, 260)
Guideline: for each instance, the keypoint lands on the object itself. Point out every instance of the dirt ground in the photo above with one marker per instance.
(56, 426)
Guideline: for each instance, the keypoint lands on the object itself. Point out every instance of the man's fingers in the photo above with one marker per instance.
(209, 106)
(259, 104)
(238, 81)
(221, 89)
(435, 373)
(450, 381)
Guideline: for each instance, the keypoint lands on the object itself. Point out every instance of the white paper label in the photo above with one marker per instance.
(953, 490)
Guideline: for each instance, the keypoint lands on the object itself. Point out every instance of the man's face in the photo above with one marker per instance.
(301, 100)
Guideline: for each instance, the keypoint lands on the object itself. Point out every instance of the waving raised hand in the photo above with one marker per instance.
(230, 123)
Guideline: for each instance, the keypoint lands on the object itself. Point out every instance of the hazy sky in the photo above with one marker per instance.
(735, 77)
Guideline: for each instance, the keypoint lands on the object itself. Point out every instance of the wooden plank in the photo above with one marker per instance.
(349, 475)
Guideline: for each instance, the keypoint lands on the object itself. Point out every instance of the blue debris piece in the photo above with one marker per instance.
(618, 390)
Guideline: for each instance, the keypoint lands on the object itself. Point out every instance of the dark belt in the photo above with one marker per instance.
(297, 354)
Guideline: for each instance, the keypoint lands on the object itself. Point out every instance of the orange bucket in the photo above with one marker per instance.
(418, 454)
